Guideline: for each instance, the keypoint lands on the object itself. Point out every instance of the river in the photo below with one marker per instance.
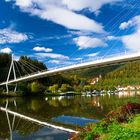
(70, 112)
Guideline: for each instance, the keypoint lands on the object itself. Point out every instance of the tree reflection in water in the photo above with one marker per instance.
(46, 108)
(19, 128)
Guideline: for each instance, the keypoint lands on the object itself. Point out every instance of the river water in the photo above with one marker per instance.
(70, 112)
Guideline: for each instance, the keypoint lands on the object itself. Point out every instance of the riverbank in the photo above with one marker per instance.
(120, 124)
(48, 94)
(12, 94)
(68, 93)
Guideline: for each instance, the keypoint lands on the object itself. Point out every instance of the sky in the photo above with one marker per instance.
(64, 32)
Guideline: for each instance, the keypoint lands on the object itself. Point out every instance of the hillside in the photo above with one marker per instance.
(124, 74)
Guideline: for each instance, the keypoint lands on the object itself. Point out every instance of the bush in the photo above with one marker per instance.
(113, 128)
(123, 113)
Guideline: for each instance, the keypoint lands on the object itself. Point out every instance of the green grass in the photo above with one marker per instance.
(116, 131)
(134, 124)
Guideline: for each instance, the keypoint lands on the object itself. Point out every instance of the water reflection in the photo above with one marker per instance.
(41, 133)
(10, 123)
(46, 108)
(81, 121)
(124, 93)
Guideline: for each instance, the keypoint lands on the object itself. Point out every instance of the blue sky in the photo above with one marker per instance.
(61, 32)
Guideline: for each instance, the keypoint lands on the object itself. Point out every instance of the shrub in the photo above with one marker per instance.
(123, 113)
(111, 128)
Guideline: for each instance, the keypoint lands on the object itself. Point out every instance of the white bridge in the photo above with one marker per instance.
(110, 60)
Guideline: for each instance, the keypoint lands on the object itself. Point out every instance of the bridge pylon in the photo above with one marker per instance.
(12, 67)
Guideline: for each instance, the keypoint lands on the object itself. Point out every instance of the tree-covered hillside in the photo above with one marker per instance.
(128, 74)
(123, 74)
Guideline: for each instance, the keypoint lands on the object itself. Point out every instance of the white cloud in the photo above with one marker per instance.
(112, 38)
(78, 59)
(70, 19)
(93, 5)
(132, 42)
(16, 58)
(85, 42)
(38, 49)
(132, 22)
(52, 55)
(92, 54)
(60, 12)
(54, 61)
(6, 50)
(7, 35)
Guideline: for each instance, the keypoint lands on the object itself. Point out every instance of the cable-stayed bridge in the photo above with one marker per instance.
(110, 60)
(121, 58)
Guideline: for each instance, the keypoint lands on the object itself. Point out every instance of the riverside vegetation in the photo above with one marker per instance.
(120, 124)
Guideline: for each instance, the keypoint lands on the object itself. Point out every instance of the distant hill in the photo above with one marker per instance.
(121, 74)
(128, 74)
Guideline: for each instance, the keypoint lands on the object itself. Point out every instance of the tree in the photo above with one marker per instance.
(36, 87)
(87, 88)
(53, 88)
(5, 60)
(66, 87)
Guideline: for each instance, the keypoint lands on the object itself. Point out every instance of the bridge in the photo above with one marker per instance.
(100, 62)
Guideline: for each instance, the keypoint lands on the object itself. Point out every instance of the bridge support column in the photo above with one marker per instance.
(12, 67)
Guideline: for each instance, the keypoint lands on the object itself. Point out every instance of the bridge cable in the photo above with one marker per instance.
(31, 69)
(35, 69)
(28, 70)
(23, 69)
(126, 31)
(122, 16)
(17, 68)
(32, 65)
(126, 14)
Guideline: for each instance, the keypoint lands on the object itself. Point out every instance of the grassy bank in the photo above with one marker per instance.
(120, 124)
(11, 94)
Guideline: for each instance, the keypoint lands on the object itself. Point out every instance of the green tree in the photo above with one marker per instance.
(87, 88)
(66, 87)
(53, 88)
(36, 87)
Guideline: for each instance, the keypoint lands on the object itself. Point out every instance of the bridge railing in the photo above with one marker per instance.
(99, 58)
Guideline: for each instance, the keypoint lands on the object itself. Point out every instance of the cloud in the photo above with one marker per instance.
(92, 54)
(52, 56)
(93, 5)
(135, 21)
(132, 41)
(7, 35)
(6, 50)
(85, 42)
(110, 38)
(60, 13)
(54, 61)
(77, 59)
(38, 49)
(16, 58)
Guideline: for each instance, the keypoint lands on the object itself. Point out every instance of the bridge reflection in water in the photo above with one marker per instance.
(45, 109)
(48, 131)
